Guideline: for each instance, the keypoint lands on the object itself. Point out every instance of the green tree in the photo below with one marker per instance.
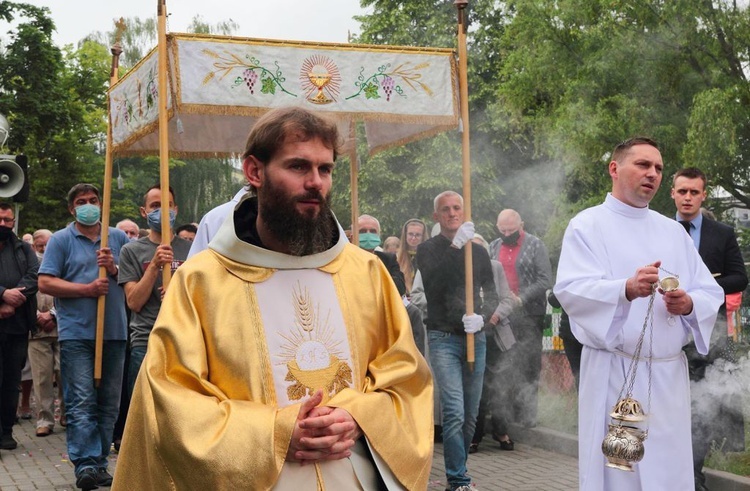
(199, 184)
(140, 36)
(54, 103)
(401, 183)
(582, 76)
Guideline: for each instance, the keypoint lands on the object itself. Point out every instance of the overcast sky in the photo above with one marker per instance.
(302, 20)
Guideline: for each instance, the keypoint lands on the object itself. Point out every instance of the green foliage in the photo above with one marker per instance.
(581, 76)
(54, 103)
(401, 183)
(199, 184)
(140, 35)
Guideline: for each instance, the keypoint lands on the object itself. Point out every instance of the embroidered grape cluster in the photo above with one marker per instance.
(250, 77)
(388, 83)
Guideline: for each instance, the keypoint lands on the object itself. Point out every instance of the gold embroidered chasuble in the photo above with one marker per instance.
(237, 347)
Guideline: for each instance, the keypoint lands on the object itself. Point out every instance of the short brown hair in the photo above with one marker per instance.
(690, 173)
(622, 148)
(82, 188)
(273, 129)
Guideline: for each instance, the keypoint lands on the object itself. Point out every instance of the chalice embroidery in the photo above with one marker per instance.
(321, 80)
(311, 352)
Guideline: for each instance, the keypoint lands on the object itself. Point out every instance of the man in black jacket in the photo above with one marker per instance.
(441, 264)
(712, 419)
(18, 287)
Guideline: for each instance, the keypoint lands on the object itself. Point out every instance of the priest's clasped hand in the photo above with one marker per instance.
(322, 433)
(463, 235)
(641, 284)
(473, 323)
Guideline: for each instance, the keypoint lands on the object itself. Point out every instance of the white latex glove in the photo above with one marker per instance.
(472, 323)
(463, 235)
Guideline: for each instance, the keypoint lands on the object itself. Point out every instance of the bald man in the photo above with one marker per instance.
(130, 228)
(526, 264)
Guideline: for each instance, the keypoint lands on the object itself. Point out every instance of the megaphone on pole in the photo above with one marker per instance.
(13, 177)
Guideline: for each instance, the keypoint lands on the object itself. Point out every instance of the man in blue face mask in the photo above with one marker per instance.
(140, 274)
(70, 273)
(369, 240)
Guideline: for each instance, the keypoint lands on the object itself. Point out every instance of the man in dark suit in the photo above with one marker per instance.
(717, 246)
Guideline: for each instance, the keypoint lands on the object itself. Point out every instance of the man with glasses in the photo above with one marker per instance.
(18, 287)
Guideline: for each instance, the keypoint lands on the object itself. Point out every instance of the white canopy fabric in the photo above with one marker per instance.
(219, 86)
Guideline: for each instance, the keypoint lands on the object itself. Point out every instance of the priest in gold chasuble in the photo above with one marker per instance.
(282, 357)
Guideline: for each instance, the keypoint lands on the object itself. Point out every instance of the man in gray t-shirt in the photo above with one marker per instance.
(141, 263)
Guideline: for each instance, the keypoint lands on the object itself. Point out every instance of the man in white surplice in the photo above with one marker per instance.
(612, 255)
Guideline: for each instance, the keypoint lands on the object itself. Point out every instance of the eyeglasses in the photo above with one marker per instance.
(414, 235)
(368, 231)
(7, 220)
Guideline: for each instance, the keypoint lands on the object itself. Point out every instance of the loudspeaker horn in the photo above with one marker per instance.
(12, 178)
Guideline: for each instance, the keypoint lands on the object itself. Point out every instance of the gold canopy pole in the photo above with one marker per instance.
(463, 85)
(354, 165)
(116, 51)
(166, 232)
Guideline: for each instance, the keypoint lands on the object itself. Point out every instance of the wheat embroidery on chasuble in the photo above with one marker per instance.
(305, 334)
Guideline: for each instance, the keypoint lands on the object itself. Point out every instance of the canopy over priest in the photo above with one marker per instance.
(281, 345)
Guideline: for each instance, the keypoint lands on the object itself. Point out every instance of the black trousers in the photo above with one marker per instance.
(13, 352)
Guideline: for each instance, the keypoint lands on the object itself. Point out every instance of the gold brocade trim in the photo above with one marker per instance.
(454, 89)
(178, 76)
(121, 149)
(256, 321)
(319, 477)
(174, 75)
(352, 323)
(225, 110)
(134, 69)
(312, 44)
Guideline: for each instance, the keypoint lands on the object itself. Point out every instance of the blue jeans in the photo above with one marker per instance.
(137, 353)
(460, 392)
(91, 411)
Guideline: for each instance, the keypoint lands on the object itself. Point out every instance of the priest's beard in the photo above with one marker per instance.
(303, 234)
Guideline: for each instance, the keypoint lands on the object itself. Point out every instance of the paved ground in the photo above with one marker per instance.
(526, 468)
(42, 464)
